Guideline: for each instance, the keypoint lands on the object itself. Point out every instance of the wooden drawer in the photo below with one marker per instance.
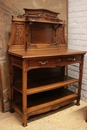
(52, 62)
(68, 60)
(42, 63)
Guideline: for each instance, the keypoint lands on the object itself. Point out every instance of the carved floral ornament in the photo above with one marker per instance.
(19, 35)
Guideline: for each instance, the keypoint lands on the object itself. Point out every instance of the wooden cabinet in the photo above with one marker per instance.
(38, 58)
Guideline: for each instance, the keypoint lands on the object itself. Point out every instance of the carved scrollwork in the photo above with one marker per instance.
(21, 16)
(42, 16)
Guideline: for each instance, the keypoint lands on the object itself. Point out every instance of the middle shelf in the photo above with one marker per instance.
(45, 84)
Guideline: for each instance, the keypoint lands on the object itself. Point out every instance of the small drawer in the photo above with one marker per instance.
(68, 60)
(42, 62)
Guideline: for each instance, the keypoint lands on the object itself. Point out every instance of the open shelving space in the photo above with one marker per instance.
(45, 84)
(46, 99)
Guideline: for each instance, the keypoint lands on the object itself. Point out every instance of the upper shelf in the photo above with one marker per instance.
(40, 11)
(42, 15)
(39, 15)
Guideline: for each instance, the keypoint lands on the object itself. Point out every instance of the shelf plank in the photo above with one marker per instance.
(17, 108)
(41, 85)
(51, 86)
(45, 21)
(46, 101)
(59, 101)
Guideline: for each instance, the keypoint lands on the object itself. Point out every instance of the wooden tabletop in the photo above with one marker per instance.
(33, 53)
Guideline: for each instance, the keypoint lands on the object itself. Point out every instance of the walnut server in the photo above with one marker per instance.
(38, 57)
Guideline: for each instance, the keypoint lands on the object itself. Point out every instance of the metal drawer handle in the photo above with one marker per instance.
(43, 63)
(72, 59)
(59, 59)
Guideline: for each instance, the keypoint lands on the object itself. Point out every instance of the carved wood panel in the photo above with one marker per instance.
(19, 35)
(60, 35)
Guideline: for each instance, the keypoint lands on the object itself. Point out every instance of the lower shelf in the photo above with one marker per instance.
(45, 101)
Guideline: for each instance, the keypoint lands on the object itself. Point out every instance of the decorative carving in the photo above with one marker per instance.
(42, 16)
(37, 29)
(21, 16)
(19, 35)
(60, 35)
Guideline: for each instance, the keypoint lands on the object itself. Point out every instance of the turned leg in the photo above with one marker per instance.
(24, 120)
(78, 101)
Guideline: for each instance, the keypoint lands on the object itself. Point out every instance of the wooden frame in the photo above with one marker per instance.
(31, 53)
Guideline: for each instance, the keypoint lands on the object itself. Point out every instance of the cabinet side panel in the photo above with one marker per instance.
(18, 36)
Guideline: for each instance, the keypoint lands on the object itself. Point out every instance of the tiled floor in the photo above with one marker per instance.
(70, 117)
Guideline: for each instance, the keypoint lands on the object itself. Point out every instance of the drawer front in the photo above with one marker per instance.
(68, 60)
(52, 62)
(41, 63)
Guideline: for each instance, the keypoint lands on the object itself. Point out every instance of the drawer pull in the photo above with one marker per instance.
(72, 59)
(59, 59)
(43, 63)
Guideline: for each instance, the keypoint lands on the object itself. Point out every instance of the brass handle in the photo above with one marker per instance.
(43, 63)
(59, 59)
(72, 59)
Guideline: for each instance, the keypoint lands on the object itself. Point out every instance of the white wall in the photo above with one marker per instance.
(77, 37)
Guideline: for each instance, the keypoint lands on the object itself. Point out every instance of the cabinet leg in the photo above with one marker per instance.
(78, 102)
(25, 120)
(12, 110)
